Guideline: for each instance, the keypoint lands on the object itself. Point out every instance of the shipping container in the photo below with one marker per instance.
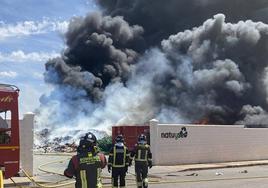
(131, 133)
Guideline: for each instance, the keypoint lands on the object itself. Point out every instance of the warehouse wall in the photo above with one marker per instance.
(206, 143)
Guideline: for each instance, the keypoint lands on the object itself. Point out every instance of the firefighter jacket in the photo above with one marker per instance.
(142, 154)
(119, 156)
(86, 168)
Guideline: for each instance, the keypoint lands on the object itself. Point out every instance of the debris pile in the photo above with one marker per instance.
(44, 143)
(58, 144)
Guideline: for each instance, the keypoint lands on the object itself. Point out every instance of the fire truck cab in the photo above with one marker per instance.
(9, 130)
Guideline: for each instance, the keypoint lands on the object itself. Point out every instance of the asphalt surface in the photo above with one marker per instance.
(244, 175)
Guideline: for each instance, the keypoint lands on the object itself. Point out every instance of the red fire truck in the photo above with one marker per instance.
(9, 130)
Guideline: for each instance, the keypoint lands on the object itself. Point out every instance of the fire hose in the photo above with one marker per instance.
(1, 179)
(46, 186)
(51, 172)
(60, 174)
(151, 181)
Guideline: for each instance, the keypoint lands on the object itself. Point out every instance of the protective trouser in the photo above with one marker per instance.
(141, 171)
(118, 173)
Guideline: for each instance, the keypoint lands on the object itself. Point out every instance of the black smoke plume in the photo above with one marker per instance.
(100, 50)
(161, 18)
(219, 70)
(178, 61)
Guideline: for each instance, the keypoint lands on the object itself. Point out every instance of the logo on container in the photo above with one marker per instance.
(182, 134)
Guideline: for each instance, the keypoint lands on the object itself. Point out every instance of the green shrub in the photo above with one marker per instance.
(105, 144)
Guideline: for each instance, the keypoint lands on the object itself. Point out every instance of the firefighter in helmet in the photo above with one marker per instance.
(86, 165)
(118, 161)
(143, 159)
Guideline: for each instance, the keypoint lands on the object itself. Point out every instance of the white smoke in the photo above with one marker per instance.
(67, 111)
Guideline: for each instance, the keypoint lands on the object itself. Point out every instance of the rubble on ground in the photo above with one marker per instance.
(56, 147)
(45, 142)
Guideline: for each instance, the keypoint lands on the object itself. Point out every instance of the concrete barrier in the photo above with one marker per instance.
(187, 144)
(26, 126)
(26, 142)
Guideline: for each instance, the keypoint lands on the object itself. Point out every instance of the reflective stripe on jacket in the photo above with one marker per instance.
(86, 167)
(119, 156)
(141, 153)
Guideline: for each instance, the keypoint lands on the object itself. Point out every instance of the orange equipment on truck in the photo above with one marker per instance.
(9, 130)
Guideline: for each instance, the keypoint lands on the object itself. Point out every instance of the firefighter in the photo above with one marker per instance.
(86, 165)
(143, 159)
(118, 161)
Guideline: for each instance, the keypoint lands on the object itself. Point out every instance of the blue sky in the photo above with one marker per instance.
(31, 32)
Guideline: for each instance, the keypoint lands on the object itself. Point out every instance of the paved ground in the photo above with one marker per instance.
(187, 176)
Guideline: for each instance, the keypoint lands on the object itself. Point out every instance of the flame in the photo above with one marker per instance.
(203, 121)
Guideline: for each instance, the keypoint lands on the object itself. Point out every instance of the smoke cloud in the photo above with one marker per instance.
(101, 49)
(179, 61)
(162, 18)
(218, 68)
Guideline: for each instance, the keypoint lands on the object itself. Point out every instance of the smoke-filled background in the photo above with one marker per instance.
(177, 61)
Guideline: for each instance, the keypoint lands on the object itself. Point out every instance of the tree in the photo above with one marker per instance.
(105, 144)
